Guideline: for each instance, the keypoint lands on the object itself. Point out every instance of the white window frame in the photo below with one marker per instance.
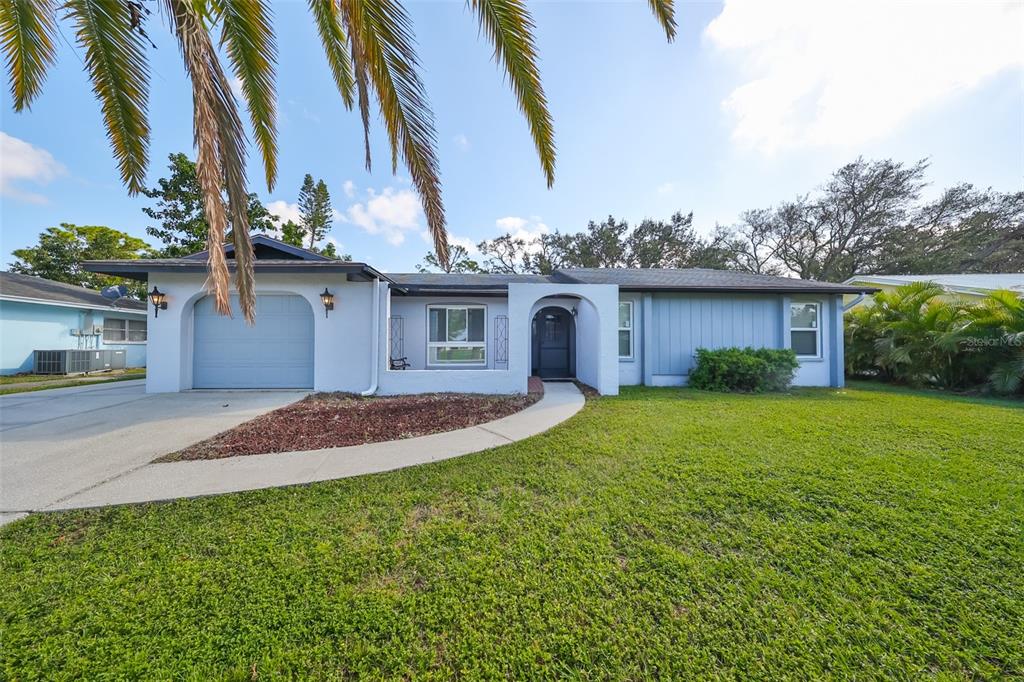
(457, 344)
(630, 328)
(124, 325)
(816, 330)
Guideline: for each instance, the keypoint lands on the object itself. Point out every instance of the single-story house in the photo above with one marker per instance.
(40, 314)
(969, 287)
(331, 325)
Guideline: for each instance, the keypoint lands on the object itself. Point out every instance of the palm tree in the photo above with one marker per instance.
(369, 45)
(1000, 318)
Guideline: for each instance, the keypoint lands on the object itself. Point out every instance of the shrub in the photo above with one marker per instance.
(912, 335)
(744, 369)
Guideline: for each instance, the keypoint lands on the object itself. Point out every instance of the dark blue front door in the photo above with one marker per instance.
(552, 340)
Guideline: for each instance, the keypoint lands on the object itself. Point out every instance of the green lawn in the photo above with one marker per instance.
(23, 383)
(663, 533)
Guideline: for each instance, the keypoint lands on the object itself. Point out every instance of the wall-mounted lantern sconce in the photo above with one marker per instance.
(159, 301)
(328, 300)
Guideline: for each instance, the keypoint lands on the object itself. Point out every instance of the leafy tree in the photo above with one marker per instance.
(506, 255)
(315, 210)
(370, 48)
(611, 244)
(458, 261)
(59, 254)
(292, 233)
(964, 230)
(183, 226)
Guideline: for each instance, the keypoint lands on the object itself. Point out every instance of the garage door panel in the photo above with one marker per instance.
(277, 352)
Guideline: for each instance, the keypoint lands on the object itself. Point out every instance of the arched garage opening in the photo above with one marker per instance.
(276, 352)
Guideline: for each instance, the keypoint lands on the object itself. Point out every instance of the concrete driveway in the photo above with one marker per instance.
(57, 443)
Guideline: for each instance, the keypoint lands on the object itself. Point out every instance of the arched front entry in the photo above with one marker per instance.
(554, 343)
(276, 352)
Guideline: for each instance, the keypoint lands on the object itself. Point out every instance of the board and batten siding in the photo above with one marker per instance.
(680, 324)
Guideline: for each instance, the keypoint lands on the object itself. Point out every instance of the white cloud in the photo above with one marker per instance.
(841, 73)
(462, 142)
(284, 211)
(666, 188)
(349, 188)
(390, 213)
(21, 161)
(527, 229)
(236, 88)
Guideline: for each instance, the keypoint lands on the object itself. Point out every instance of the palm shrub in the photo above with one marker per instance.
(998, 325)
(912, 335)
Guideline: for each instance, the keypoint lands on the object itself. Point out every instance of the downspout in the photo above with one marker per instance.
(860, 297)
(375, 350)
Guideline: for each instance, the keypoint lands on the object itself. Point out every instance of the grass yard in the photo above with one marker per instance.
(662, 533)
(24, 383)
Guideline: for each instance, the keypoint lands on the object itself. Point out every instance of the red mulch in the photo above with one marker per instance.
(330, 420)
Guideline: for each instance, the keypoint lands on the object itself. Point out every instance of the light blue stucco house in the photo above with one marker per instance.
(40, 314)
(331, 325)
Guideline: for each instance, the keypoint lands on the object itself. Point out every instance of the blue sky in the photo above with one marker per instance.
(752, 104)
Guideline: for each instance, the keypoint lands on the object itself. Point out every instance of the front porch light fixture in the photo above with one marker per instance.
(327, 298)
(159, 301)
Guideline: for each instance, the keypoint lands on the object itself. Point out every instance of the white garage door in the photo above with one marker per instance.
(277, 352)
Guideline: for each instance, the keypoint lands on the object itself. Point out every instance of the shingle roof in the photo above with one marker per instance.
(418, 282)
(140, 268)
(699, 279)
(15, 286)
(635, 279)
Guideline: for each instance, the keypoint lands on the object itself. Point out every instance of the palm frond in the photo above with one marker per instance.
(327, 18)
(248, 35)
(363, 87)
(28, 29)
(380, 32)
(665, 13)
(509, 27)
(220, 142)
(115, 57)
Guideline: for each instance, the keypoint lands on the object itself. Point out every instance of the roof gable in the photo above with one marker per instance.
(267, 248)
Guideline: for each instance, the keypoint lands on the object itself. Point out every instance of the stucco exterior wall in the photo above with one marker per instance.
(342, 339)
(597, 360)
(413, 313)
(26, 327)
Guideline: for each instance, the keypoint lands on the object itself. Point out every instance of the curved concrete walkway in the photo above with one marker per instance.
(155, 482)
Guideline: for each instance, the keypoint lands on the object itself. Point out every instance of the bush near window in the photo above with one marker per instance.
(744, 369)
(911, 335)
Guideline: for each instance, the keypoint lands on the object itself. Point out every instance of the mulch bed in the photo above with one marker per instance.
(330, 420)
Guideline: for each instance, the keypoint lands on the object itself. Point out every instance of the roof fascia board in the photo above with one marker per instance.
(69, 304)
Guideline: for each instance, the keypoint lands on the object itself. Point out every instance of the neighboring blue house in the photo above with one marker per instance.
(40, 314)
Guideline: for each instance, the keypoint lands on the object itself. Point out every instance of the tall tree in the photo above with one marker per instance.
(611, 243)
(183, 225)
(315, 211)
(458, 261)
(370, 48)
(292, 233)
(59, 254)
(964, 230)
